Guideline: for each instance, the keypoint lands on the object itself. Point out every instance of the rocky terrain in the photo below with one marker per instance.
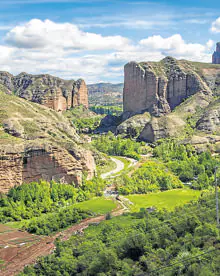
(172, 98)
(47, 90)
(38, 143)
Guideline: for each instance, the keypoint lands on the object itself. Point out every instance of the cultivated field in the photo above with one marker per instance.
(168, 200)
(97, 205)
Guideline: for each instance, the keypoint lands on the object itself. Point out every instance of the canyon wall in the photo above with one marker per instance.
(158, 87)
(47, 90)
(50, 163)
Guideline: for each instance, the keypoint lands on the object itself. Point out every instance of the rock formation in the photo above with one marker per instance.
(30, 164)
(182, 97)
(159, 87)
(39, 143)
(216, 54)
(47, 90)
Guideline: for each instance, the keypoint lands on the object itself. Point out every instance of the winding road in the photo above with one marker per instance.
(119, 167)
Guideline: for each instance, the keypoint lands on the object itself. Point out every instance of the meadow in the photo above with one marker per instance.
(168, 199)
(97, 205)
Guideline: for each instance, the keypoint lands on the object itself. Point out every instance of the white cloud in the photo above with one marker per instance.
(64, 50)
(37, 34)
(131, 24)
(175, 46)
(210, 43)
(216, 26)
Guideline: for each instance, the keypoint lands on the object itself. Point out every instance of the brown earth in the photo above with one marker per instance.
(17, 257)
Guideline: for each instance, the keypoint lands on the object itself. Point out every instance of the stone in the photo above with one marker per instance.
(210, 121)
(159, 87)
(216, 54)
(52, 92)
(134, 125)
(50, 163)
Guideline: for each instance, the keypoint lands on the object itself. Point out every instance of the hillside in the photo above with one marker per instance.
(37, 142)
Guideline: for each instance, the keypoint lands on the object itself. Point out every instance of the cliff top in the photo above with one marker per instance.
(170, 65)
(23, 74)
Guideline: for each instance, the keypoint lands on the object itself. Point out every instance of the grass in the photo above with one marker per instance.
(16, 224)
(97, 205)
(168, 200)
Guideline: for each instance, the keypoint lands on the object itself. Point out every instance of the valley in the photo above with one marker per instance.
(91, 188)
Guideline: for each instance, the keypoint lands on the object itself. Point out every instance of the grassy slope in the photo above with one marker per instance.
(35, 124)
(168, 200)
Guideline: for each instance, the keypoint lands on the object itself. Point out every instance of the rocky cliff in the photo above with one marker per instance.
(47, 90)
(158, 87)
(181, 98)
(216, 54)
(39, 143)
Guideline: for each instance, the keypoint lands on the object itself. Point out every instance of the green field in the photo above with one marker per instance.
(97, 205)
(168, 200)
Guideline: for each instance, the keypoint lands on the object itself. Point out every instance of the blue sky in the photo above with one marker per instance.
(94, 39)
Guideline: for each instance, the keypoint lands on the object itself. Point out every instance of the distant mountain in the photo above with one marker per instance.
(105, 87)
(105, 94)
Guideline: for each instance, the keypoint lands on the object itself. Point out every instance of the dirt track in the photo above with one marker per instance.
(29, 255)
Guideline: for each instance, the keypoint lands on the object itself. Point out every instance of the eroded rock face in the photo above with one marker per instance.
(216, 55)
(210, 121)
(159, 87)
(47, 90)
(50, 163)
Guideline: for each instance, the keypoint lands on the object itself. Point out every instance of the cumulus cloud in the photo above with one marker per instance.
(63, 50)
(38, 34)
(177, 47)
(216, 26)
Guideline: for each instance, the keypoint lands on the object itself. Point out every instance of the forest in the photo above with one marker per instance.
(182, 242)
(119, 146)
(45, 207)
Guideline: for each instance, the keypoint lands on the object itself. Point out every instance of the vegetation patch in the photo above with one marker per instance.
(182, 242)
(117, 146)
(150, 177)
(163, 200)
(97, 205)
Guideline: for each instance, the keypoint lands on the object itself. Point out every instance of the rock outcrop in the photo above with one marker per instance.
(134, 125)
(216, 54)
(39, 143)
(159, 87)
(32, 163)
(182, 98)
(47, 90)
(210, 120)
